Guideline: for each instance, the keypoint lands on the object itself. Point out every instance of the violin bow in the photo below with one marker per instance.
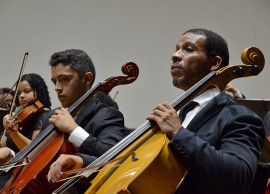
(16, 90)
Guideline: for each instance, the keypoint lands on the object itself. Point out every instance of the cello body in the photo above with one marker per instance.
(156, 169)
(267, 190)
(31, 177)
(155, 165)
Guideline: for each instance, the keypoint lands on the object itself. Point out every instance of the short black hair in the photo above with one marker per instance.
(8, 91)
(215, 45)
(78, 61)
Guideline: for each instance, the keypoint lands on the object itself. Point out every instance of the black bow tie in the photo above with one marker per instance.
(188, 107)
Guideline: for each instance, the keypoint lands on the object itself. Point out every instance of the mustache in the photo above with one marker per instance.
(177, 65)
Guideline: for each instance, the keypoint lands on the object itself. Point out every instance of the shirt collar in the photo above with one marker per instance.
(206, 96)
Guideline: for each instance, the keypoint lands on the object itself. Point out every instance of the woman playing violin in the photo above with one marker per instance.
(20, 132)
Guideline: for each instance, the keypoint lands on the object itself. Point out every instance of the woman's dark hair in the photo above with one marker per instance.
(38, 84)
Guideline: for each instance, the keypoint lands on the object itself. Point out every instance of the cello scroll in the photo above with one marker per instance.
(253, 56)
(31, 178)
(253, 60)
(130, 69)
(130, 177)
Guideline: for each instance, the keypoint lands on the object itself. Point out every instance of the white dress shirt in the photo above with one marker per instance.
(203, 99)
(77, 136)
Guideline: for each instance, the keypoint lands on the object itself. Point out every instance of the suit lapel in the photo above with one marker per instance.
(212, 108)
(85, 111)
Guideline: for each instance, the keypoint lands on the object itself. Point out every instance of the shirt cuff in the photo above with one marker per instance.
(238, 94)
(77, 136)
(12, 153)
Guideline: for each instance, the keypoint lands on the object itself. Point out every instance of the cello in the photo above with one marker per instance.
(34, 160)
(142, 162)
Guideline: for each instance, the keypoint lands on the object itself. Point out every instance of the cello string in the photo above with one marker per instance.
(98, 165)
(35, 142)
(179, 102)
(81, 175)
(125, 142)
(107, 155)
(106, 86)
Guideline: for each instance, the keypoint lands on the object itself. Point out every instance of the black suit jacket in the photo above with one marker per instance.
(220, 147)
(105, 126)
(267, 123)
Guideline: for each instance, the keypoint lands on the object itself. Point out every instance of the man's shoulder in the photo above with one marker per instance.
(97, 107)
(104, 107)
(233, 107)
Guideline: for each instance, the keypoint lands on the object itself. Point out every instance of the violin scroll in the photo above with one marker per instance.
(254, 57)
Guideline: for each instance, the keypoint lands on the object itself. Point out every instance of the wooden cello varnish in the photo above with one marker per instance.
(157, 170)
(50, 143)
(155, 166)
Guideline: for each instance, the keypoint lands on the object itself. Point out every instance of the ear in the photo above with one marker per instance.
(215, 63)
(35, 94)
(88, 77)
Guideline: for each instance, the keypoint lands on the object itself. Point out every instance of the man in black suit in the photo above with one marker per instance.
(219, 141)
(96, 128)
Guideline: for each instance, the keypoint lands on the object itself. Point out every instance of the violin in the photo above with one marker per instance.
(22, 115)
(35, 159)
(27, 113)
